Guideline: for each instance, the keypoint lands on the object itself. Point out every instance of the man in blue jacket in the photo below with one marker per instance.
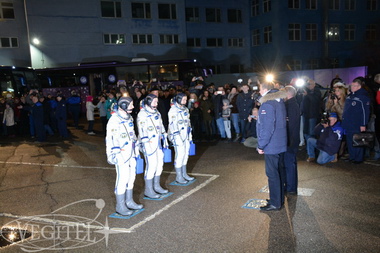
(355, 118)
(330, 137)
(272, 141)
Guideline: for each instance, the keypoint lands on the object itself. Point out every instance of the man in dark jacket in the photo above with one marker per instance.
(37, 111)
(293, 131)
(330, 137)
(355, 118)
(311, 108)
(218, 97)
(244, 104)
(272, 139)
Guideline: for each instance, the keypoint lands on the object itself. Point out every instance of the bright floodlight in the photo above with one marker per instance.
(300, 82)
(36, 41)
(269, 78)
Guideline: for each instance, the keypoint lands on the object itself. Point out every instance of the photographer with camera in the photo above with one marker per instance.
(336, 99)
(329, 133)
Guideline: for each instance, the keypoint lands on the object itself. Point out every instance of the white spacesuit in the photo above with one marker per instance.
(180, 135)
(152, 136)
(122, 151)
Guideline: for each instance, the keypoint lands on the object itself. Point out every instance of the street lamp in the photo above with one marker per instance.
(36, 41)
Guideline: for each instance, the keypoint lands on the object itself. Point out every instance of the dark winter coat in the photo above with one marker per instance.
(356, 111)
(330, 138)
(293, 122)
(244, 103)
(271, 123)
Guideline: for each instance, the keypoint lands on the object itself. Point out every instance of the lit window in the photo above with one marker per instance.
(114, 39)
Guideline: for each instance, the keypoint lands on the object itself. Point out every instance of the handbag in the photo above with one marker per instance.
(364, 139)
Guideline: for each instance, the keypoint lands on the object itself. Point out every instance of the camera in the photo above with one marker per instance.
(255, 87)
(325, 118)
(333, 96)
(219, 92)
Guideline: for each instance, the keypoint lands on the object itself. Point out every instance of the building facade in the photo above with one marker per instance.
(225, 36)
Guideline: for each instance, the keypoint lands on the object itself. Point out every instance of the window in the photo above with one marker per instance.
(8, 42)
(111, 9)
(214, 42)
(349, 5)
(312, 64)
(114, 39)
(168, 39)
(311, 32)
(370, 32)
(141, 10)
(236, 68)
(193, 42)
(216, 69)
(213, 15)
(192, 14)
(267, 34)
(294, 32)
(254, 8)
(235, 42)
(349, 32)
(311, 4)
(334, 33)
(371, 5)
(296, 65)
(234, 16)
(167, 11)
(142, 39)
(267, 5)
(294, 4)
(334, 5)
(7, 11)
(255, 37)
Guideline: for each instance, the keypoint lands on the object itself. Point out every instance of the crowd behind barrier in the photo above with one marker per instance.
(225, 113)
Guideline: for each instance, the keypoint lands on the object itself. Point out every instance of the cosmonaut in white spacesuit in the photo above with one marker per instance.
(122, 151)
(180, 136)
(153, 138)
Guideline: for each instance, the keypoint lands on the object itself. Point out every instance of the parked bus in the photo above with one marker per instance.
(98, 76)
(16, 81)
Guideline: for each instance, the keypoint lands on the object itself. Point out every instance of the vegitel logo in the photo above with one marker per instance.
(61, 231)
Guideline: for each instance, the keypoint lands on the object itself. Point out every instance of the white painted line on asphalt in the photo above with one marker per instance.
(124, 230)
(176, 201)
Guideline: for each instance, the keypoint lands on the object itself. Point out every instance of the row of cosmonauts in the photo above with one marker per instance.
(123, 147)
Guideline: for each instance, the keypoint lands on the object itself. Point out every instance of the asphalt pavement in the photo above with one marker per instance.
(62, 191)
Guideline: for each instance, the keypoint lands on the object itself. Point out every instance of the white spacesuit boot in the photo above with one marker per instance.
(184, 174)
(157, 187)
(121, 208)
(149, 192)
(179, 178)
(129, 201)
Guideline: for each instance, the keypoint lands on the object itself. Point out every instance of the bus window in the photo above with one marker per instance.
(130, 73)
(165, 72)
(6, 85)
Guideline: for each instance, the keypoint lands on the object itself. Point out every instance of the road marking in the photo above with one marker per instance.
(124, 230)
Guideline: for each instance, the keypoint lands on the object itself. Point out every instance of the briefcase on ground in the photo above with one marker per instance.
(364, 139)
